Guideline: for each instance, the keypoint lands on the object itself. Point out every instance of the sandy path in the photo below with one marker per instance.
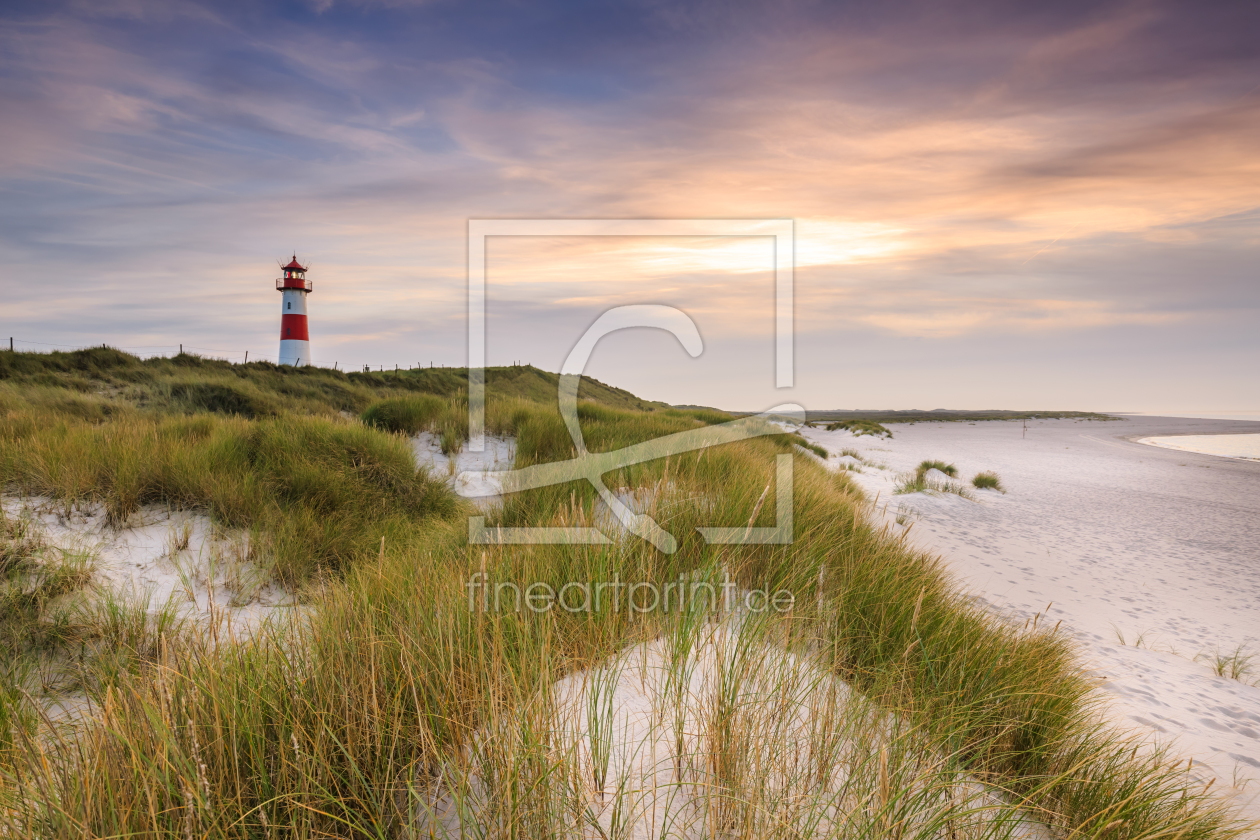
(804, 751)
(1125, 539)
(460, 469)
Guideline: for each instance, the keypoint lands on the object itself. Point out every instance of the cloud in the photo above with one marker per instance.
(954, 172)
(947, 317)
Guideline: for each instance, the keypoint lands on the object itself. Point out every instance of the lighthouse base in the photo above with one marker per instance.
(295, 352)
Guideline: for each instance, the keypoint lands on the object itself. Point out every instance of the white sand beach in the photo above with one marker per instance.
(1149, 556)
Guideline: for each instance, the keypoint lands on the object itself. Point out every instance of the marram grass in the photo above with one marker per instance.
(390, 689)
(988, 480)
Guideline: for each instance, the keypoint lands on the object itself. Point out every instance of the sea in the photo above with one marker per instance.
(1228, 446)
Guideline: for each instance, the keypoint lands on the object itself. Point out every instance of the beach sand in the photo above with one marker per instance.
(1160, 547)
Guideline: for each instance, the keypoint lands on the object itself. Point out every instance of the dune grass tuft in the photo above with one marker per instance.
(949, 469)
(1234, 665)
(920, 482)
(988, 481)
(407, 415)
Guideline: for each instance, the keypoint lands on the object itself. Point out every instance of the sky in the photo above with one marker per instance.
(994, 205)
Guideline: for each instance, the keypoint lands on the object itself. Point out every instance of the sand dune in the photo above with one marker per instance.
(163, 557)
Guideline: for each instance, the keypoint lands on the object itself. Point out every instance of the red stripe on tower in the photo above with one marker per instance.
(293, 328)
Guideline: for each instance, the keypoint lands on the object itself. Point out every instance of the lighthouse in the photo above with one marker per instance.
(295, 341)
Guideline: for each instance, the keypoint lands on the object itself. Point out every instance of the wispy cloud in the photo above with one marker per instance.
(955, 171)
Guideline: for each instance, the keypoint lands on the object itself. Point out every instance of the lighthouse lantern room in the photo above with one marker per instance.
(295, 342)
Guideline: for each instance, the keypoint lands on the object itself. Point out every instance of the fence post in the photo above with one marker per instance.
(246, 357)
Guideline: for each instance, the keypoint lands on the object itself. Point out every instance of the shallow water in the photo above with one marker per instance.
(1228, 446)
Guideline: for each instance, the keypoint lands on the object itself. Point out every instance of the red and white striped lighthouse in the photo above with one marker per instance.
(295, 341)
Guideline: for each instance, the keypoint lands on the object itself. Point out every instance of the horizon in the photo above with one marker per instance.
(1245, 415)
(991, 205)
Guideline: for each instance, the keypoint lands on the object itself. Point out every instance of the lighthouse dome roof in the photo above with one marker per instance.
(295, 265)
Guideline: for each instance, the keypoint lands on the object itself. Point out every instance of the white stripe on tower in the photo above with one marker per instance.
(295, 342)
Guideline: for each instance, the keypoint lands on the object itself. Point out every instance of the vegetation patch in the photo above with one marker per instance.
(223, 398)
(809, 446)
(919, 481)
(407, 415)
(1237, 664)
(860, 427)
(104, 381)
(940, 466)
(319, 493)
(347, 721)
(988, 480)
